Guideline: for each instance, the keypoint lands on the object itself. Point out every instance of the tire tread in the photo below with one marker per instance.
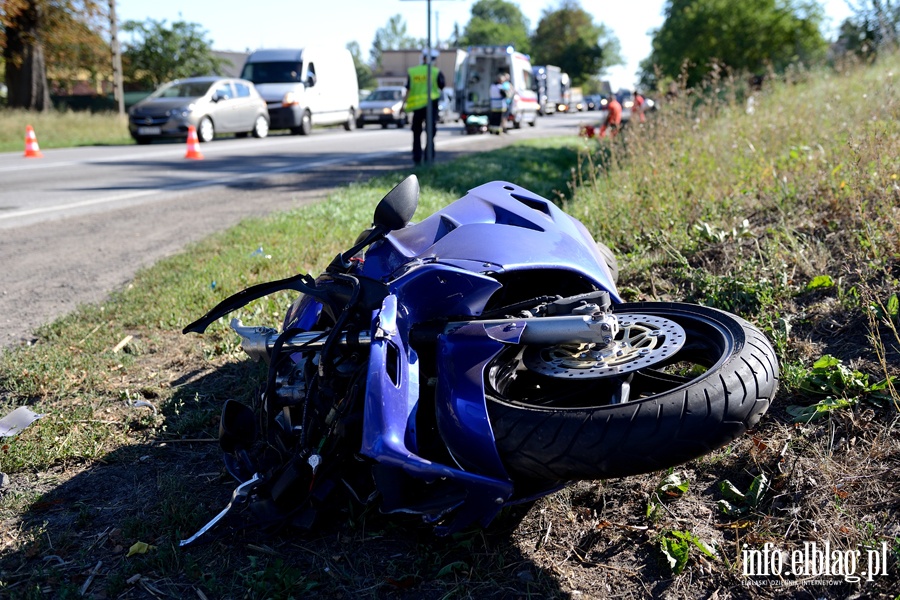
(648, 435)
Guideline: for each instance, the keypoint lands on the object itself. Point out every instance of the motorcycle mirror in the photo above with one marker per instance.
(394, 211)
(397, 208)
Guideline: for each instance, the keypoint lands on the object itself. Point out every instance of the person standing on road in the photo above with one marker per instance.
(613, 117)
(417, 102)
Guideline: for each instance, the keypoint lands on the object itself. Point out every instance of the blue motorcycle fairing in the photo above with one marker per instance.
(462, 418)
(450, 291)
(533, 233)
(392, 394)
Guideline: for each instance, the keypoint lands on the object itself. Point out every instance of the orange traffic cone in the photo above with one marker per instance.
(193, 144)
(32, 150)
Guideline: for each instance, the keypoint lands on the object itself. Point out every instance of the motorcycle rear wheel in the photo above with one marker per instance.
(708, 393)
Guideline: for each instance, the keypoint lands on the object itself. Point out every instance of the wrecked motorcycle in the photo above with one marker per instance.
(478, 359)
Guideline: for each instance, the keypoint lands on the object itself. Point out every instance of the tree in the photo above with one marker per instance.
(874, 26)
(567, 37)
(497, 23)
(738, 37)
(392, 36)
(157, 53)
(75, 49)
(28, 28)
(364, 77)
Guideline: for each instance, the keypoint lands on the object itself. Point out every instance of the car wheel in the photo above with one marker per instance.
(143, 141)
(360, 123)
(350, 123)
(206, 131)
(384, 125)
(260, 127)
(305, 127)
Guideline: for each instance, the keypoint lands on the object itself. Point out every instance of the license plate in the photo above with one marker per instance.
(149, 130)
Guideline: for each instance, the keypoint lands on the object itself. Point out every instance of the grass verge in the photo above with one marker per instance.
(62, 129)
(788, 215)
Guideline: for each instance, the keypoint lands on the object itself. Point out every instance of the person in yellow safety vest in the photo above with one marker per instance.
(417, 102)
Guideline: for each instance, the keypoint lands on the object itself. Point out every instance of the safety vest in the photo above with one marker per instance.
(418, 86)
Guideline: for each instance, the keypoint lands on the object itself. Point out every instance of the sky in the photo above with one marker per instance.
(298, 23)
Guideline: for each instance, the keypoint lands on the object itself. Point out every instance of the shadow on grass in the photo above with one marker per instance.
(76, 535)
(546, 171)
(77, 532)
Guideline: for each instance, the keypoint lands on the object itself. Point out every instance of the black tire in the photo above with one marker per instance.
(570, 431)
(305, 127)
(610, 259)
(142, 140)
(206, 131)
(260, 127)
(350, 123)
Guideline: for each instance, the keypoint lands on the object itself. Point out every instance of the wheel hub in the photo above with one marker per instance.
(642, 340)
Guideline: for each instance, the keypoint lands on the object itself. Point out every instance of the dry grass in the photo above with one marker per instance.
(61, 129)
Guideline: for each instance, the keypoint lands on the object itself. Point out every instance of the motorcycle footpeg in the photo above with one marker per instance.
(238, 497)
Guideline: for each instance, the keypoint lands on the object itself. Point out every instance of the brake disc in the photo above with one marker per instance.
(642, 341)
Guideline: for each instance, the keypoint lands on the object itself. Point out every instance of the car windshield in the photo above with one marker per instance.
(186, 89)
(272, 72)
(385, 95)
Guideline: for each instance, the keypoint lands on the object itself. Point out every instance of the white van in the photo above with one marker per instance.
(306, 87)
(479, 69)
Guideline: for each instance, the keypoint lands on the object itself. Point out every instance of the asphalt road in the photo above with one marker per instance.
(78, 223)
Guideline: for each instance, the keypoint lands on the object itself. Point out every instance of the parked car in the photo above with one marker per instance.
(383, 106)
(212, 105)
(626, 99)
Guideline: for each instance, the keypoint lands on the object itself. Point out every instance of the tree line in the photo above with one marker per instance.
(70, 38)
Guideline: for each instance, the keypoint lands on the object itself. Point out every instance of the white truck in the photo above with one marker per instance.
(548, 84)
(306, 87)
(479, 70)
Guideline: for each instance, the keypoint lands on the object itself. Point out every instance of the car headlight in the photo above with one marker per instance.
(182, 111)
(386, 111)
(289, 99)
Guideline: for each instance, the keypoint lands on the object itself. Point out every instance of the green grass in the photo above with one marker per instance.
(788, 216)
(56, 129)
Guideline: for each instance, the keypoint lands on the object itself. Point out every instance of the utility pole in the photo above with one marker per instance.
(116, 58)
(430, 117)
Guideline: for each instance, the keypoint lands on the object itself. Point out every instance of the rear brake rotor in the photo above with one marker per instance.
(642, 340)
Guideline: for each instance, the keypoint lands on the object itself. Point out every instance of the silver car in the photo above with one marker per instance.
(212, 105)
(383, 106)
